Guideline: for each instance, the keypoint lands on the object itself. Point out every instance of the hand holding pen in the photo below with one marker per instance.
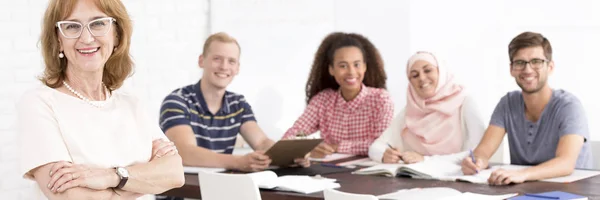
(472, 165)
(391, 155)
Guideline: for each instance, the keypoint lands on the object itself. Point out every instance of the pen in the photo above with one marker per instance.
(541, 196)
(331, 165)
(389, 145)
(473, 159)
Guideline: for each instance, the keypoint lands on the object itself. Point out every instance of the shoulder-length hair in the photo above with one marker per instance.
(118, 66)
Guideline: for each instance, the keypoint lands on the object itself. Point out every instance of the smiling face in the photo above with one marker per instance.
(423, 77)
(220, 63)
(87, 53)
(529, 79)
(348, 68)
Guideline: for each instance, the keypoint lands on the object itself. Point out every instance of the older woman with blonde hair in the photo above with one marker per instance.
(439, 117)
(80, 137)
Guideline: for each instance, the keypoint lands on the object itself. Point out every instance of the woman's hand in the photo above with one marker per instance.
(410, 157)
(303, 162)
(323, 150)
(161, 148)
(391, 156)
(65, 175)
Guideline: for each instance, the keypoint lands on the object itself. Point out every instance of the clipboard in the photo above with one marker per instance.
(284, 152)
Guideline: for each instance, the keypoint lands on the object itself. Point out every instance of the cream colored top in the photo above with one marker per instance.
(53, 126)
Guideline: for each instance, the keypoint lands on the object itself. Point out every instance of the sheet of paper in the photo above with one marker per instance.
(354, 162)
(188, 169)
(575, 176)
(305, 184)
(380, 169)
(468, 195)
(421, 193)
(365, 162)
(332, 157)
(437, 169)
(265, 179)
(371, 163)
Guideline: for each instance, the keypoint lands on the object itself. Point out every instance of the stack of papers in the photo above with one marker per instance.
(300, 184)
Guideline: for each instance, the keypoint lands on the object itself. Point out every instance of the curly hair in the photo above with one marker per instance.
(118, 66)
(319, 78)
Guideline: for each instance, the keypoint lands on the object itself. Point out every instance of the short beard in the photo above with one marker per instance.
(539, 87)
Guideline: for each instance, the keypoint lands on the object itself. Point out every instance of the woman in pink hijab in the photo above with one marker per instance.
(438, 119)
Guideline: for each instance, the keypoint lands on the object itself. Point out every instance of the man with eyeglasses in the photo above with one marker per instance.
(547, 128)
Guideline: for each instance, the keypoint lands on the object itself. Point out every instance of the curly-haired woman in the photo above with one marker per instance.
(346, 96)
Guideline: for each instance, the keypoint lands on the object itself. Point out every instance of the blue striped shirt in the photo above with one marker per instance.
(186, 106)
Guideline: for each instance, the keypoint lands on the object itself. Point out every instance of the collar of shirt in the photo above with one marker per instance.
(202, 102)
(354, 103)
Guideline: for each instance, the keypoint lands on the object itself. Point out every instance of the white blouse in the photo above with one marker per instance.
(54, 126)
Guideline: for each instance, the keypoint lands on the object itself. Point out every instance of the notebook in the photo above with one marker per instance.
(389, 170)
(431, 169)
(448, 168)
(440, 193)
(292, 183)
(550, 195)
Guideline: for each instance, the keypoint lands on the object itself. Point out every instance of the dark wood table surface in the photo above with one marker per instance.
(378, 185)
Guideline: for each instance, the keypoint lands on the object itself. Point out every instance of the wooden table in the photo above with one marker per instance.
(377, 185)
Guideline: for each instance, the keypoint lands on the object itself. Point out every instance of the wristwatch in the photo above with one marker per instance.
(123, 175)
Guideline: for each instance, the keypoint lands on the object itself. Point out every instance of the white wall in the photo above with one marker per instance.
(279, 39)
(474, 37)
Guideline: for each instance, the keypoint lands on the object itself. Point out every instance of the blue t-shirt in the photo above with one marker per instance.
(186, 106)
(532, 143)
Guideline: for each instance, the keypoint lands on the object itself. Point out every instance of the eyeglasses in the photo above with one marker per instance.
(534, 63)
(97, 27)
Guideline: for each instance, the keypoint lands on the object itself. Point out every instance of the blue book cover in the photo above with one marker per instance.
(550, 195)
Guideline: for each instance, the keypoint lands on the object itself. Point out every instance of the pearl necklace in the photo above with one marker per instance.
(93, 103)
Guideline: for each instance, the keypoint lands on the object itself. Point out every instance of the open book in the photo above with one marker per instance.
(300, 184)
(447, 168)
(440, 193)
(389, 170)
(430, 169)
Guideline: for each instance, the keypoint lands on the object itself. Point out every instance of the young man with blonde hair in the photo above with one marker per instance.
(203, 119)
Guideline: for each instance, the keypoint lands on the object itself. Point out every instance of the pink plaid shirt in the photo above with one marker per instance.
(353, 125)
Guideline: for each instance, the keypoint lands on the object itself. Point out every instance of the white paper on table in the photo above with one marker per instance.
(332, 157)
(441, 193)
(475, 196)
(421, 193)
(577, 174)
(188, 169)
(365, 162)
